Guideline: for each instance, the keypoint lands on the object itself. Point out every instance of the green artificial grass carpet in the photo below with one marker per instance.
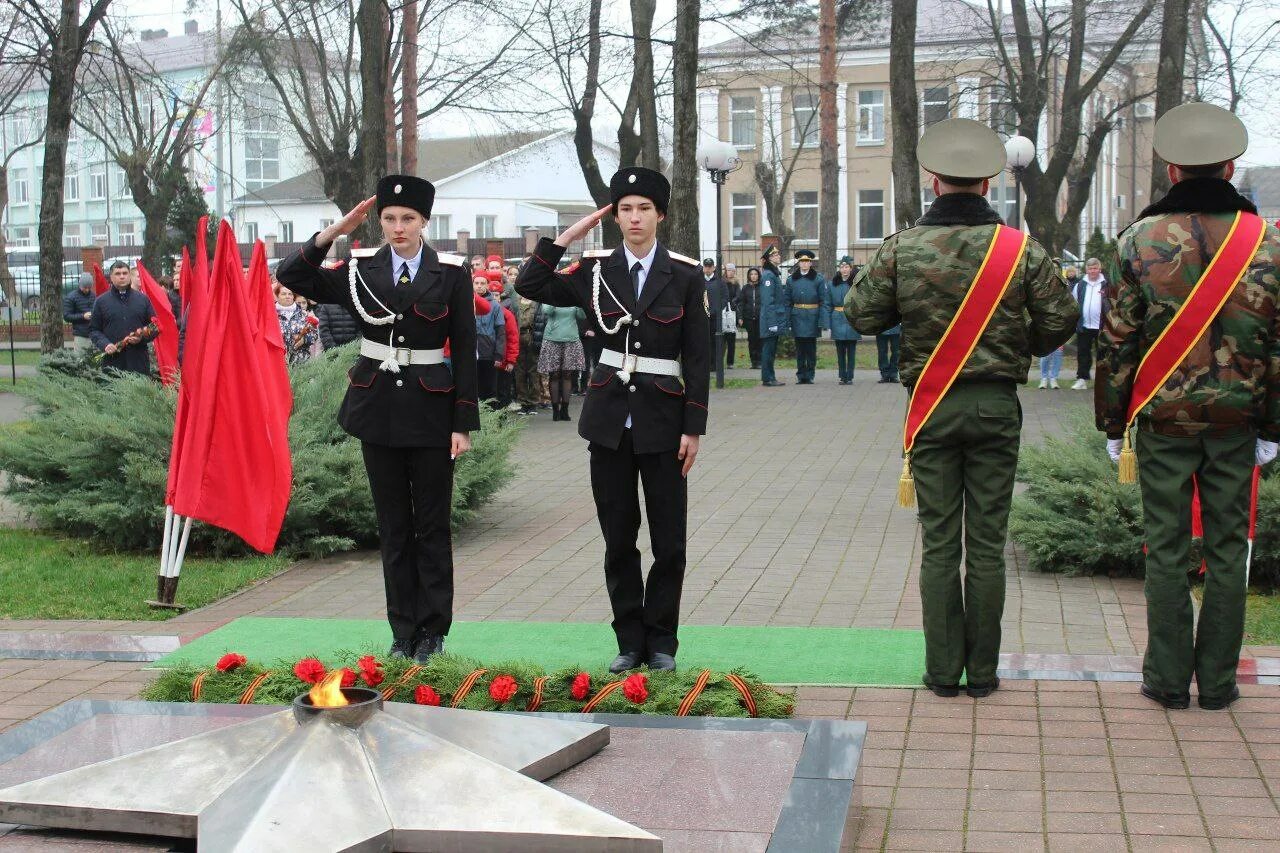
(879, 657)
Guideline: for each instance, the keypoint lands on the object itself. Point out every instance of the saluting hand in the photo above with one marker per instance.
(582, 227)
(348, 223)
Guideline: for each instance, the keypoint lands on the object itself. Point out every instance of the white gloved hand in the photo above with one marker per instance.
(1114, 445)
(1265, 451)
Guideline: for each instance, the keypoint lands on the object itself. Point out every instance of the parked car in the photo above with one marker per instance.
(27, 282)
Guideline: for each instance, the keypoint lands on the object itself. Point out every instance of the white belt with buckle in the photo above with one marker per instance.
(402, 356)
(639, 364)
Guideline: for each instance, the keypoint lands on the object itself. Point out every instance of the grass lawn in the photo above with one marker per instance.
(1262, 619)
(46, 577)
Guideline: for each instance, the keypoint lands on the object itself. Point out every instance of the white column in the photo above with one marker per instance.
(708, 128)
(842, 125)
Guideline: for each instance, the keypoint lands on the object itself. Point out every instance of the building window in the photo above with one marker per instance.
(742, 217)
(258, 113)
(871, 117)
(1003, 200)
(870, 214)
(98, 183)
(804, 119)
(935, 105)
(486, 226)
(325, 223)
(98, 233)
(128, 233)
(72, 235)
(71, 188)
(121, 182)
(19, 191)
(805, 214)
(250, 231)
(927, 198)
(261, 162)
(439, 228)
(286, 232)
(21, 237)
(742, 121)
(1004, 120)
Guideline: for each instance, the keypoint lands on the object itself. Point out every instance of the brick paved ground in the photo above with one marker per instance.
(792, 522)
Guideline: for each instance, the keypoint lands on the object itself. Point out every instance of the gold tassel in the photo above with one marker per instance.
(1128, 461)
(906, 484)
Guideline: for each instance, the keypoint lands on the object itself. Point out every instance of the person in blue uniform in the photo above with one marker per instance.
(888, 347)
(412, 412)
(842, 331)
(810, 313)
(775, 315)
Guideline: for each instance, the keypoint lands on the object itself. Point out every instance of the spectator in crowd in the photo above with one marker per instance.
(717, 299)
(775, 314)
(477, 263)
(337, 325)
(171, 291)
(490, 328)
(730, 330)
(509, 349)
(586, 337)
(842, 331)
(77, 309)
(120, 324)
(297, 332)
(561, 355)
(310, 308)
(1050, 368)
(1091, 293)
(888, 346)
(810, 310)
(528, 381)
(749, 314)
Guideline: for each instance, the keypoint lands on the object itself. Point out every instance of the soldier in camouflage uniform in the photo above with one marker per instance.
(1216, 415)
(965, 456)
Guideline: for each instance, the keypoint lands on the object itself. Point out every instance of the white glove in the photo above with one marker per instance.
(1114, 446)
(773, 328)
(1265, 451)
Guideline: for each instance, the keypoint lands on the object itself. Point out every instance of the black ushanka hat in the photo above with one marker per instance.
(406, 191)
(637, 180)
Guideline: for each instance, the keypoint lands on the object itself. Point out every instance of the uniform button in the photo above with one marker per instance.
(399, 382)
(633, 387)
(637, 345)
(400, 339)
(399, 316)
(635, 322)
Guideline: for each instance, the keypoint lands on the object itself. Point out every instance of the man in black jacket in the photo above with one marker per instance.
(77, 309)
(120, 324)
(337, 326)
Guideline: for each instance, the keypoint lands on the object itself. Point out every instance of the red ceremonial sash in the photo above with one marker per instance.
(1197, 312)
(958, 342)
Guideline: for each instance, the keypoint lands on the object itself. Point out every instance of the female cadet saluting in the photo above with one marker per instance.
(411, 411)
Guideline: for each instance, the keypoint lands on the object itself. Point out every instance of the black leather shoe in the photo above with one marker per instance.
(982, 691)
(1210, 703)
(1173, 703)
(625, 661)
(773, 384)
(663, 661)
(944, 691)
(401, 649)
(428, 645)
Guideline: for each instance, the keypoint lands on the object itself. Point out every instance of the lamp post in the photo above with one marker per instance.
(719, 158)
(1020, 152)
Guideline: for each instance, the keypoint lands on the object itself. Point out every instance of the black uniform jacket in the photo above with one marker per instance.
(422, 404)
(669, 322)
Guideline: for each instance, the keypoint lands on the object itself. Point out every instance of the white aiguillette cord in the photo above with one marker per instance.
(597, 282)
(388, 364)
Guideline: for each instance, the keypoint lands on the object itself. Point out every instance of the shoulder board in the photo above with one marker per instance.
(598, 253)
(682, 259)
(571, 269)
(451, 259)
(364, 253)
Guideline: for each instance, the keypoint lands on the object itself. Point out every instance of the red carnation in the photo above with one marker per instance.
(581, 686)
(635, 687)
(309, 670)
(370, 670)
(503, 688)
(230, 661)
(425, 695)
(348, 678)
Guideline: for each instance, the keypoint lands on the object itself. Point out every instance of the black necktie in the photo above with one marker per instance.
(636, 268)
(404, 276)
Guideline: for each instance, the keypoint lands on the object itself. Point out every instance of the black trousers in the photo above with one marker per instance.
(806, 358)
(753, 342)
(486, 379)
(887, 347)
(730, 347)
(412, 493)
(1085, 339)
(846, 356)
(645, 614)
(504, 387)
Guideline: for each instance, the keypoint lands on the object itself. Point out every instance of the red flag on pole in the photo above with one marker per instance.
(186, 275)
(162, 313)
(234, 469)
(273, 370)
(100, 283)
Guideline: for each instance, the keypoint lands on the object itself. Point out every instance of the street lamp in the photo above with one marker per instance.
(719, 158)
(1020, 152)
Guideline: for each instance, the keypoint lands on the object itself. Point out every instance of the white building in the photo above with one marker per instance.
(488, 186)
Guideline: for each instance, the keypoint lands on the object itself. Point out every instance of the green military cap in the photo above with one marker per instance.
(805, 255)
(845, 259)
(1200, 134)
(961, 148)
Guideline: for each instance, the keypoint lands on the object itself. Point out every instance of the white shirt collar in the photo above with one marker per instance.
(416, 261)
(646, 262)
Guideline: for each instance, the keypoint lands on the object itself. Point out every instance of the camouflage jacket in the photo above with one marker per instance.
(1231, 378)
(920, 276)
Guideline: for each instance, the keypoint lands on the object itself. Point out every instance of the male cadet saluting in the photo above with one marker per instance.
(650, 308)
(963, 285)
(1190, 351)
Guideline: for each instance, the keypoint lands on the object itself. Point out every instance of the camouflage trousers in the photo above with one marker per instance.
(527, 378)
(1176, 648)
(963, 462)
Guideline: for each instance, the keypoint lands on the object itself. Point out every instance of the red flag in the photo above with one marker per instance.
(162, 315)
(100, 283)
(234, 469)
(273, 371)
(186, 274)
(198, 282)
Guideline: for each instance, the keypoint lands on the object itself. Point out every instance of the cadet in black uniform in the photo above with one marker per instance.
(411, 411)
(649, 308)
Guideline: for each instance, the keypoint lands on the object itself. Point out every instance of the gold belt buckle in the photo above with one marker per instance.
(629, 363)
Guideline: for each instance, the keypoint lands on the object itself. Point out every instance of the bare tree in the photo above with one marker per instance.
(638, 130)
(371, 24)
(409, 90)
(1169, 77)
(17, 72)
(906, 112)
(828, 137)
(1230, 46)
(682, 214)
(63, 36)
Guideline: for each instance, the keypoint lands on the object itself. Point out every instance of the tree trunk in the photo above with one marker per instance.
(583, 139)
(7, 283)
(642, 102)
(1169, 78)
(905, 108)
(828, 140)
(681, 225)
(371, 24)
(409, 91)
